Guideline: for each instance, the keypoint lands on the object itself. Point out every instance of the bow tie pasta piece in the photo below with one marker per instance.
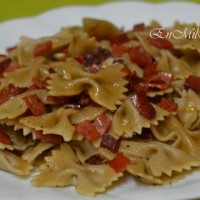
(159, 93)
(160, 158)
(14, 164)
(104, 90)
(56, 122)
(26, 46)
(139, 169)
(170, 63)
(16, 106)
(63, 168)
(60, 121)
(188, 109)
(171, 130)
(34, 151)
(16, 125)
(128, 121)
(190, 43)
(23, 76)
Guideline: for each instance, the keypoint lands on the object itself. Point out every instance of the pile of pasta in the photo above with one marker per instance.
(92, 103)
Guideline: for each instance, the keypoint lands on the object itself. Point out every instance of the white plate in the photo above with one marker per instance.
(123, 14)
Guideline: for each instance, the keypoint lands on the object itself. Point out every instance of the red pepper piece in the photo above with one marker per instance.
(56, 139)
(168, 105)
(102, 123)
(35, 105)
(159, 80)
(193, 82)
(4, 138)
(43, 49)
(119, 163)
(88, 130)
(142, 103)
(140, 57)
(161, 43)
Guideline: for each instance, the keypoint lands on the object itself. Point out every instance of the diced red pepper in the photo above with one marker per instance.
(161, 43)
(168, 105)
(142, 103)
(110, 143)
(56, 139)
(43, 49)
(160, 80)
(9, 92)
(140, 57)
(139, 27)
(4, 138)
(193, 82)
(88, 130)
(102, 123)
(119, 163)
(118, 50)
(35, 105)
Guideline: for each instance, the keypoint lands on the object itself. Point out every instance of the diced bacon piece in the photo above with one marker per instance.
(160, 80)
(35, 105)
(9, 92)
(96, 159)
(39, 84)
(140, 57)
(139, 27)
(53, 138)
(118, 50)
(110, 143)
(142, 103)
(11, 68)
(161, 43)
(120, 39)
(43, 49)
(193, 82)
(168, 105)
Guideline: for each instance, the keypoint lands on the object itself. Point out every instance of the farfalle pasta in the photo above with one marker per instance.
(92, 103)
